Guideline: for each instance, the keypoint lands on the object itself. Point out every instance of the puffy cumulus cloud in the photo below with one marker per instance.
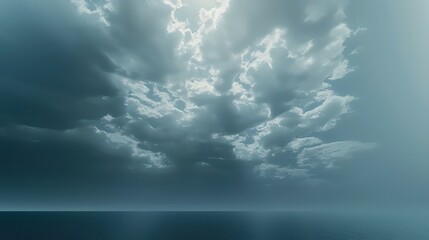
(60, 68)
(179, 84)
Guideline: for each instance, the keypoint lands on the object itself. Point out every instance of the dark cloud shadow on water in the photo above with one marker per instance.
(210, 225)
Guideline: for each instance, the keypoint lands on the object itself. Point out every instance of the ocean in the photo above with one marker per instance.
(306, 225)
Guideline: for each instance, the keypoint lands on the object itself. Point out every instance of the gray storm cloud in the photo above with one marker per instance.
(212, 88)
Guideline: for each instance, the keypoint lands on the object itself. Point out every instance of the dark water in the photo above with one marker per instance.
(211, 225)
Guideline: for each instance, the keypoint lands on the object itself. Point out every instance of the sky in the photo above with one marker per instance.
(213, 104)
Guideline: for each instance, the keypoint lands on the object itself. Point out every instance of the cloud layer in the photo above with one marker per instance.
(199, 87)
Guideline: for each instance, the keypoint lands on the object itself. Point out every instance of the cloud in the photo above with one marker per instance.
(299, 143)
(327, 154)
(178, 85)
(53, 73)
(274, 171)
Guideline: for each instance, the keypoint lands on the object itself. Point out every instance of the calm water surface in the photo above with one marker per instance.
(212, 225)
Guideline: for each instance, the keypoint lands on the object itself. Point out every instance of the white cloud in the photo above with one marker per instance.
(299, 143)
(327, 154)
(143, 158)
(255, 79)
(266, 170)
